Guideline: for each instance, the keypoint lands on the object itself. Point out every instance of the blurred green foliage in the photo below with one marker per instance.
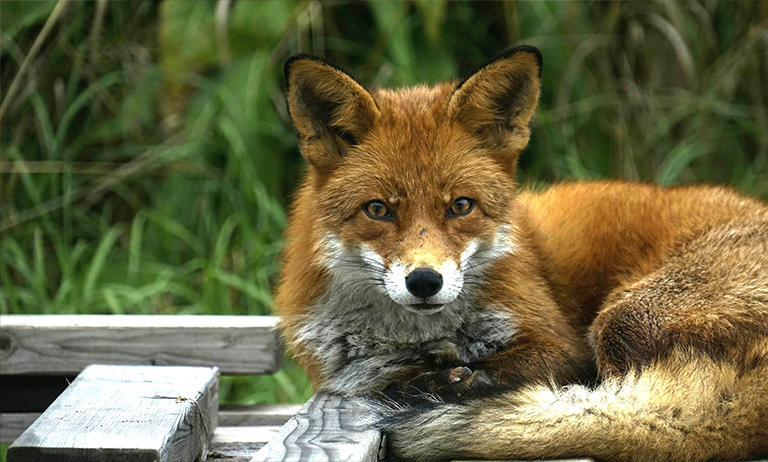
(147, 156)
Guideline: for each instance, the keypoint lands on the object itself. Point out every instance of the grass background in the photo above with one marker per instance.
(146, 155)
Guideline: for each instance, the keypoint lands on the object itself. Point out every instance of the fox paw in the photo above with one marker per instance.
(448, 386)
(462, 374)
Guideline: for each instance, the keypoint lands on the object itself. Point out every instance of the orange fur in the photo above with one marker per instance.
(619, 273)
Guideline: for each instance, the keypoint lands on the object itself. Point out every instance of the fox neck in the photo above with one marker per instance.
(363, 339)
(356, 329)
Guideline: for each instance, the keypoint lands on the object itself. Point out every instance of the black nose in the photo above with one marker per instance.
(424, 282)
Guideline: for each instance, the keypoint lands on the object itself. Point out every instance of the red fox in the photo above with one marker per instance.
(607, 319)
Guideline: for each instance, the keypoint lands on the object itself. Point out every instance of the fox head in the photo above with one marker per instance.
(409, 192)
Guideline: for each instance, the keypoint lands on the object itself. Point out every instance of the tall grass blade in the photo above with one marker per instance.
(97, 265)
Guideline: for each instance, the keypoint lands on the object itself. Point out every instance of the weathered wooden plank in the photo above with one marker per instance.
(241, 452)
(65, 344)
(122, 413)
(325, 429)
(239, 444)
(233, 420)
(12, 425)
(245, 435)
(261, 414)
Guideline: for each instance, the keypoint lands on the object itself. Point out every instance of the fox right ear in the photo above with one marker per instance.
(497, 102)
(330, 109)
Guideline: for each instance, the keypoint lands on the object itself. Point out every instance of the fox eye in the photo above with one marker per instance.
(378, 210)
(461, 206)
(347, 137)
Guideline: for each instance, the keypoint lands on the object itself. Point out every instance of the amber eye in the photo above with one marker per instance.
(460, 206)
(378, 211)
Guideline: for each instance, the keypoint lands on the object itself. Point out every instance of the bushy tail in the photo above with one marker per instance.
(684, 408)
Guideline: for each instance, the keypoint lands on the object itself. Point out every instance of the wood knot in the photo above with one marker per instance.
(6, 344)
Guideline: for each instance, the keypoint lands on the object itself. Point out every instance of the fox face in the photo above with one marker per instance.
(414, 188)
(408, 199)
(417, 223)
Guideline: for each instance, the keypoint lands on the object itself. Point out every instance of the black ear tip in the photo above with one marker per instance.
(300, 57)
(506, 54)
(535, 52)
(518, 49)
(289, 63)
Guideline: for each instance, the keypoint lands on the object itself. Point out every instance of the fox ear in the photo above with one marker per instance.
(497, 102)
(331, 111)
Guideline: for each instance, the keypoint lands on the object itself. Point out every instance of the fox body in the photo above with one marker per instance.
(417, 271)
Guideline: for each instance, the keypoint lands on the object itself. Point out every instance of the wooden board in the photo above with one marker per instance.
(66, 344)
(13, 424)
(126, 413)
(233, 419)
(324, 430)
(239, 444)
(261, 414)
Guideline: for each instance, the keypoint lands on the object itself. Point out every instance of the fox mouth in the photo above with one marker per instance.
(424, 308)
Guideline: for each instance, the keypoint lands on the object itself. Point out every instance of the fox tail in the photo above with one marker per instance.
(686, 407)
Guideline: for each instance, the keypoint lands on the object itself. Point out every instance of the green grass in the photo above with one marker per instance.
(147, 156)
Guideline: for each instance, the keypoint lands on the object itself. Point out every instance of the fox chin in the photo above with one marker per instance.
(479, 319)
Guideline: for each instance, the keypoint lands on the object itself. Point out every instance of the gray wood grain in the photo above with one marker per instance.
(232, 419)
(122, 413)
(245, 435)
(261, 414)
(239, 444)
(13, 424)
(65, 344)
(325, 429)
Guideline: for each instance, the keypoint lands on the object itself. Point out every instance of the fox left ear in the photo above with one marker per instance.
(497, 102)
(331, 111)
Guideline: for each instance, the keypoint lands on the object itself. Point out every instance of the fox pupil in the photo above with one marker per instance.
(377, 210)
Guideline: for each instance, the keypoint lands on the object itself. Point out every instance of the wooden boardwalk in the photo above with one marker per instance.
(241, 432)
(137, 413)
(165, 413)
(40, 355)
